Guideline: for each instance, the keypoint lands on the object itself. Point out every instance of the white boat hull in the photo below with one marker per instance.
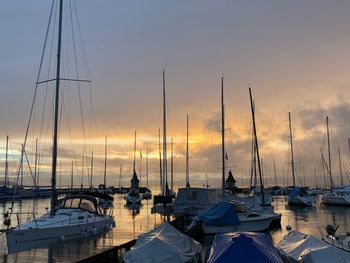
(31, 236)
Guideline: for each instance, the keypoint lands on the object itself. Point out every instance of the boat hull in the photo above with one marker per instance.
(24, 239)
(336, 200)
(300, 201)
(258, 224)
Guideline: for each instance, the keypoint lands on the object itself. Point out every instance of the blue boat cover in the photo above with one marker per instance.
(295, 192)
(223, 214)
(243, 247)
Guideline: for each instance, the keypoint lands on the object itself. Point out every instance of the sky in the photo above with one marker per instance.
(294, 55)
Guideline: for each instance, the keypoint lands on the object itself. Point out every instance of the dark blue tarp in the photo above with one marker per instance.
(244, 247)
(295, 192)
(223, 214)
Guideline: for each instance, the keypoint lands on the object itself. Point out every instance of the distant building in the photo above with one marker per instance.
(230, 183)
(135, 181)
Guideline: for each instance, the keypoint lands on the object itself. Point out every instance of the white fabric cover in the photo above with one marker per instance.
(300, 247)
(163, 244)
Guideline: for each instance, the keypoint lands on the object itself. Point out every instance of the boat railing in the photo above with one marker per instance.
(18, 217)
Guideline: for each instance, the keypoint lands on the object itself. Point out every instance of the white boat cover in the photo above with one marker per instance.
(164, 244)
(300, 247)
(198, 196)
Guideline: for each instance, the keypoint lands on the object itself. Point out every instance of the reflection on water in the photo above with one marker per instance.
(308, 219)
(133, 220)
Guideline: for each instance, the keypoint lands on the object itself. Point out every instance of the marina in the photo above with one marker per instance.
(131, 223)
(239, 181)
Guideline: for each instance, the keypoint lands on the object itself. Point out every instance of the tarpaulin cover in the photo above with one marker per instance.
(305, 248)
(244, 247)
(295, 192)
(163, 244)
(223, 214)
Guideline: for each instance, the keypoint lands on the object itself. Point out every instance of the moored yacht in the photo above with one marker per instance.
(78, 215)
(231, 216)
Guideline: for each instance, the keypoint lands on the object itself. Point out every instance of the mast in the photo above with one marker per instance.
(187, 160)
(329, 156)
(340, 169)
(55, 132)
(165, 159)
(71, 176)
(275, 173)
(134, 163)
(140, 167)
(172, 164)
(147, 166)
(257, 146)
(222, 135)
(105, 172)
(323, 166)
(35, 161)
(120, 175)
(91, 167)
(291, 146)
(82, 171)
(160, 164)
(6, 162)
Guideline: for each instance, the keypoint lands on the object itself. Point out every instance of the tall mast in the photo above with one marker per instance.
(165, 159)
(329, 156)
(323, 170)
(160, 164)
(91, 167)
(82, 171)
(6, 163)
(147, 166)
(35, 162)
(71, 176)
(222, 134)
(291, 146)
(120, 175)
(340, 169)
(275, 172)
(105, 172)
(55, 131)
(187, 159)
(134, 163)
(257, 146)
(172, 164)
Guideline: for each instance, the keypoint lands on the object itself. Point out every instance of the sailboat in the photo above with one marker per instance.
(339, 196)
(73, 216)
(298, 195)
(133, 197)
(259, 193)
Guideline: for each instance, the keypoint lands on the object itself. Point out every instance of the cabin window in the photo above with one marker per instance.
(88, 205)
(72, 203)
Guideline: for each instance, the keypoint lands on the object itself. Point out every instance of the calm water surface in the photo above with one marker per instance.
(131, 223)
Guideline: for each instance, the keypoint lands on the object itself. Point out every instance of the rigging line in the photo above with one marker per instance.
(82, 42)
(29, 167)
(48, 74)
(76, 71)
